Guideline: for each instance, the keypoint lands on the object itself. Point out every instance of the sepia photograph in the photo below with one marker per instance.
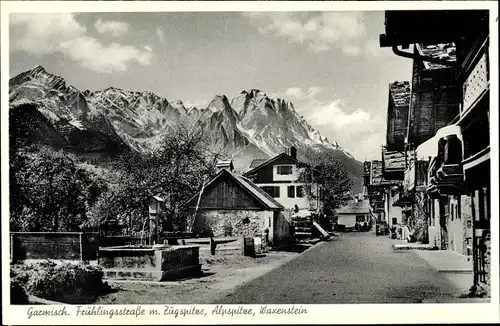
(234, 158)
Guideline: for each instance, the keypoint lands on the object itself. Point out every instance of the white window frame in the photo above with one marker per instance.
(284, 165)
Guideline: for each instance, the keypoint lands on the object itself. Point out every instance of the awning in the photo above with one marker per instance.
(430, 147)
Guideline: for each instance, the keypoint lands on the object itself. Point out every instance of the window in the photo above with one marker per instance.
(291, 191)
(360, 218)
(272, 191)
(284, 169)
(300, 191)
(394, 220)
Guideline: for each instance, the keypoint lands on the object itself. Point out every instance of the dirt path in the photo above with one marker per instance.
(353, 268)
(222, 274)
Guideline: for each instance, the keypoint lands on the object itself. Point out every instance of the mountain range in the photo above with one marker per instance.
(108, 122)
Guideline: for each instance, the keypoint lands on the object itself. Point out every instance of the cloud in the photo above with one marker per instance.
(115, 28)
(319, 32)
(43, 34)
(335, 114)
(160, 34)
(357, 130)
(299, 94)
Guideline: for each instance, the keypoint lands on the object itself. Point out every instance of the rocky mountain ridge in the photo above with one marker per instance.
(251, 125)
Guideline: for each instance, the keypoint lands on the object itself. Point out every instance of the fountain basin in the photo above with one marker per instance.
(149, 263)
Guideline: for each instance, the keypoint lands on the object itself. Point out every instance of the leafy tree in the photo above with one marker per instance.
(50, 191)
(324, 169)
(176, 171)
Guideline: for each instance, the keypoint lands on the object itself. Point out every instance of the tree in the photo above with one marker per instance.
(50, 191)
(323, 169)
(176, 171)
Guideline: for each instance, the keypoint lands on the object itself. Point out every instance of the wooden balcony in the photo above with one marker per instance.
(445, 173)
(403, 199)
(416, 176)
(476, 87)
(393, 165)
(476, 159)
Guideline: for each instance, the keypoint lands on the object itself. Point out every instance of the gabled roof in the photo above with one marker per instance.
(393, 160)
(256, 162)
(269, 161)
(264, 198)
(376, 176)
(360, 207)
(225, 164)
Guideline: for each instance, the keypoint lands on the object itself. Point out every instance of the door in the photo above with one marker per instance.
(443, 221)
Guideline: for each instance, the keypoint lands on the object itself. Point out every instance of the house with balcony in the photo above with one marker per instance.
(449, 116)
(393, 152)
(279, 177)
(381, 193)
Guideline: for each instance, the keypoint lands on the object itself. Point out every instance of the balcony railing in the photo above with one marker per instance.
(476, 159)
(477, 83)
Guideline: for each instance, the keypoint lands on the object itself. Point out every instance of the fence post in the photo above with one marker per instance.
(12, 245)
(212, 246)
(81, 246)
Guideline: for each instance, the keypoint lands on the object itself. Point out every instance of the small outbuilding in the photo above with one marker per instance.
(355, 212)
(232, 205)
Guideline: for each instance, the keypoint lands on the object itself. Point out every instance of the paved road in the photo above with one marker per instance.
(352, 268)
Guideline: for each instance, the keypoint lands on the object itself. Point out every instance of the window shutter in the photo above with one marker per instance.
(291, 191)
(300, 191)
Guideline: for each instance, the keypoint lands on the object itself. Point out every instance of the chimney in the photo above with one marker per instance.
(293, 152)
(224, 165)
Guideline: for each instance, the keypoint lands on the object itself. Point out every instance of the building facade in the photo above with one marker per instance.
(450, 116)
(231, 205)
(279, 177)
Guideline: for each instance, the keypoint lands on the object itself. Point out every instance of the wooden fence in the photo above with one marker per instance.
(53, 245)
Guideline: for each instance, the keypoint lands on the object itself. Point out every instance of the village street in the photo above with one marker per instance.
(351, 268)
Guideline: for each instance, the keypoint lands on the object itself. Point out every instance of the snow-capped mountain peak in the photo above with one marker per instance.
(250, 125)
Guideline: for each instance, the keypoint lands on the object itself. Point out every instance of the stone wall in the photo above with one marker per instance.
(220, 223)
(148, 263)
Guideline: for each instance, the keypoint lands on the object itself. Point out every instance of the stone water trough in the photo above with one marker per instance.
(149, 263)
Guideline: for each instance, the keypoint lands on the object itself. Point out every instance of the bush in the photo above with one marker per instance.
(65, 282)
(17, 294)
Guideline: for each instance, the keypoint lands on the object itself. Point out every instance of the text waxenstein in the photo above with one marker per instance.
(264, 310)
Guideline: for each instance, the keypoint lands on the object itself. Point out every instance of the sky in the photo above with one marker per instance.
(328, 64)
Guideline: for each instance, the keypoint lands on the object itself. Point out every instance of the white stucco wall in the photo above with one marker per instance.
(349, 220)
(283, 199)
(434, 229)
(392, 211)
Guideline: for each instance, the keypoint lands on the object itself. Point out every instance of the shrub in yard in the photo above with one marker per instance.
(65, 282)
